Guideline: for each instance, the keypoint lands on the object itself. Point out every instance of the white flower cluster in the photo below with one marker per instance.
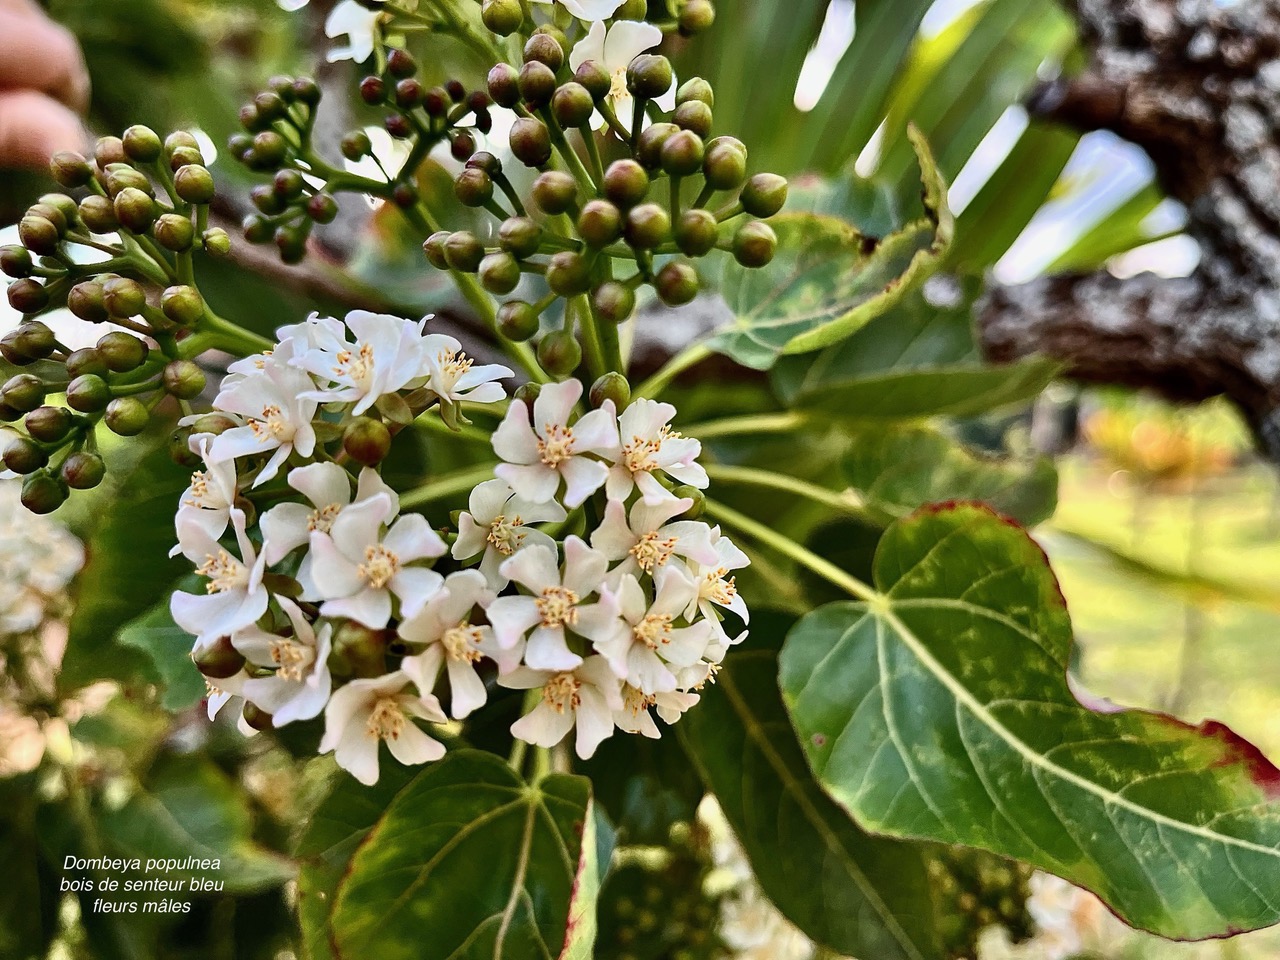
(603, 628)
(38, 560)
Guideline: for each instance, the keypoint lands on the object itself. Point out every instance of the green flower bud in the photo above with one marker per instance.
(121, 176)
(499, 273)
(269, 149)
(520, 237)
(182, 304)
(433, 247)
(503, 84)
(180, 448)
(183, 379)
(526, 393)
(15, 261)
(142, 144)
(51, 212)
(572, 105)
(682, 153)
(39, 235)
(687, 492)
(461, 144)
(612, 386)
(88, 393)
(306, 91)
(189, 157)
(517, 320)
(473, 188)
(83, 470)
(257, 718)
(28, 295)
(486, 161)
(109, 150)
(49, 424)
(135, 210)
(400, 64)
(42, 493)
(649, 75)
(194, 183)
(219, 660)
(694, 116)
(23, 392)
(569, 274)
(764, 195)
(123, 297)
(367, 441)
(270, 106)
(695, 88)
(322, 208)
(537, 82)
(530, 142)
(555, 192)
(174, 232)
(696, 16)
(754, 244)
(543, 48)
(10, 352)
(600, 223)
(559, 353)
(179, 139)
(725, 163)
(647, 226)
(86, 360)
(358, 651)
(291, 242)
(99, 214)
(626, 183)
(216, 242)
(122, 352)
(24, 456)
(34, 339)
(613, 301)
(356, 145)
(126, 416)
(70, 169)
(503, 17)
(267, 200)
(556, 34)
(649, 144)
(462, 251)
(256, 229)
(595, 79)
(676, 283)
(696, 232)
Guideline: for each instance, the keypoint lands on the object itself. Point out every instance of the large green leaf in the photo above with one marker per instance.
(900, 468)
(857, 894)
(829, 280)
(169, 647)
(464, 856)
(939, 709)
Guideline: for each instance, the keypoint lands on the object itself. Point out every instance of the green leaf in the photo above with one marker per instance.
(1120, 229)
(940, 710)
(898, 469)
(169, 647)
(856, 894)
(828, 280)
(463, 856)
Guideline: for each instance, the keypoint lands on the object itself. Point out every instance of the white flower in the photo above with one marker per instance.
(235, 597)
(634, 717)
(365, 712)
(453, 376)
(614, 49)
(444, 627)
(299, 688)
(538, 456)
(497, 524)
(360, 26)
(586, 697)
(557, 603)
(386, 357)
(645, 541)
(648, 444)
(218, 693)
(38, 559)
(209, 498)
(589, 9)
(271, 398)
(357, 569)
(648, 639)
(716, 588)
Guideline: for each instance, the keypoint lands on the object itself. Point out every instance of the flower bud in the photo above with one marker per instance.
(306, 91)
(433, 247)
(572, 105)
(194, 183)
(88, 393)
(649, 75)
(34, 339)
(503, 84)
(499, 273)
(322, 208)
(526, 393)
(287, 184)
(358, 651)
(126, 416)
(219, 660)
(267, 200)
(182, 305)
(613, 301)
(23, 392)
(123, 297)
(632, 10)
(682, 153)
(696, 16)
(559, 353)
(530, 142)
(400, 63)
(121, 175)
(486, 161)
(600, 223)
(142, 144)
(86, 360)
(270, 106)
(696, 232)
(764, 195)
(695, 88)
(189, 157)
(24, 456)
(82, 470)
(409, 93)
(537, 82)
(473, 187)
(725, 163)
(70, 169)
(545, 49)
(367, 441)
(569, 274)
(626, 183)
(174, 232)
(462, 251)
(15, 261)
(28, 295)
(373, 90)
(687, 492)
(99, 214)
(256, 718)
(269, 149)
(503, 17)
(39, 235)
(520, 236)
(10, 352)
(109, 150)
(216, 242)
(291, 242)
(183, 379)
(595, 79)
(676, 283)
(694, 116)
(555, 192)
(121, 351)
(51, 212)
(461, 144)
(356, 145)
(135, 210)
(517, 320)
(180, 139)
(49, 424)
(256, 229)
(649, 144)
(42, 493)
(612, 386)
(647, 226)
(754, 244)
(180, 448)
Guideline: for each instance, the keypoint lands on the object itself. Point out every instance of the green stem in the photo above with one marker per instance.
(845, 501)
(226, 335)
(590, 335)
(755, 423)
(593, 151)
(447, 486)
(690, 356)
(430, 421)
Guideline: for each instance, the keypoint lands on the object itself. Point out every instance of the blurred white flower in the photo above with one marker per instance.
(497, 525)
(38, 560)
(614, 48)
(358, 24)
(585, 697)
(365, 712)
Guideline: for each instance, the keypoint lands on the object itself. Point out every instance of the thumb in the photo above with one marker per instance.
(33, 127)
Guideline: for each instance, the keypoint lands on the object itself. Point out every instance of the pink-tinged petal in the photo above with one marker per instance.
(285, 527)
(322, 483)
(590, 47)
(638, 721)
(413, 746)
(472, 538)
(371, 484)
(631, 599)
(592, 10)
(652, 491)
(332, 574)
(597, 673)
(415, 586)
(615, 651)
(272, 466)
(484, 374)
(306, 703)
(511, 618)
(543, 726)
(645, 418)
(582, 478)
(613, 537)
(554, 405)
(595, 722)
(648, 517)
(675, 591)
(597, 432)
(584, 568)
(466, 690)
(369, 607)
(620, 483)
(535, 481)
(425, 707)
(357, 527)
(411, 538)
(531, 511)
(547, 650)
(533, 567)
(693, 540)
(514, 441)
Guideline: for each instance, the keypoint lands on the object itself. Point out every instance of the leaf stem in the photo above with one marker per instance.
(845, 501)
(783, 422)
(449, 485)
(690, 356)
